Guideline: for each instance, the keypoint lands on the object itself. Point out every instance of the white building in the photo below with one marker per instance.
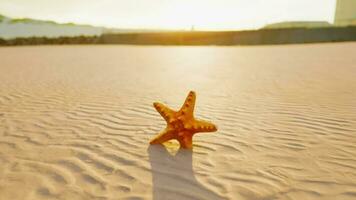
(345, 13)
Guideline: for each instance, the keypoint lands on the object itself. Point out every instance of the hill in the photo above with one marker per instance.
(26, 27)
(298, 24)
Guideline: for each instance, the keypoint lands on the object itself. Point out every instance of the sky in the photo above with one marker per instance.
(172, 14)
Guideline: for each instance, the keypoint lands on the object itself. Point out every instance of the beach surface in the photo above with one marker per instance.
(76, 121)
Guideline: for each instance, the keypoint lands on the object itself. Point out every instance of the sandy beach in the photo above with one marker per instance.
(76, 121)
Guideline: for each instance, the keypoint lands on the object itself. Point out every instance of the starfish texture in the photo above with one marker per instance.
(181, 125)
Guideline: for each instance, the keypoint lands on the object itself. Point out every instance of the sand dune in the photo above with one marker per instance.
(75, 122)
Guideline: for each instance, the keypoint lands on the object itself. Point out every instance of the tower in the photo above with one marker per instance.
(345, 13)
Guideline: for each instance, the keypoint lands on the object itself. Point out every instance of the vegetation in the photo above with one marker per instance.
(255, 37)
(3, 42)
(70, 24)
(252, 37)
(28, 20)
(49, 41)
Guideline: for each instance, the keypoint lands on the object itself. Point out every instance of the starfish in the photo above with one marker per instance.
(181, 125)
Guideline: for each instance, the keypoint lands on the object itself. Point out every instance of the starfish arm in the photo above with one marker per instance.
(189, 104)
(204, 126)
(186, 142)
(165, 112)
(164, 136)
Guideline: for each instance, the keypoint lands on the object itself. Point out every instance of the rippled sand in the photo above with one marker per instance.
(75, 122)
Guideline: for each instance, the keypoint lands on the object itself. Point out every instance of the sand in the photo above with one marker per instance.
(75, 122)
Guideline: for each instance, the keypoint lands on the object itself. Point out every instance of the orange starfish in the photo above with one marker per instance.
(181, 125)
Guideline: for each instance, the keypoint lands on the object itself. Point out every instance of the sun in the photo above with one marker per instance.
(202, 15)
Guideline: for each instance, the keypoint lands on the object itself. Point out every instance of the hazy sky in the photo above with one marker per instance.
(203, 14)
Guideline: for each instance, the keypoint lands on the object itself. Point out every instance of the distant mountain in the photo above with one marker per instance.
(298, 24)
(26, 27)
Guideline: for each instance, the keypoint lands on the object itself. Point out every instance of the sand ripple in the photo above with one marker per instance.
(76, 125)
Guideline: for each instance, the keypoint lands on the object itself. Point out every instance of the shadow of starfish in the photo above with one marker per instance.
(173, 176)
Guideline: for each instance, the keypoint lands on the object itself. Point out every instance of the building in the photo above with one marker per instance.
(345, 13)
